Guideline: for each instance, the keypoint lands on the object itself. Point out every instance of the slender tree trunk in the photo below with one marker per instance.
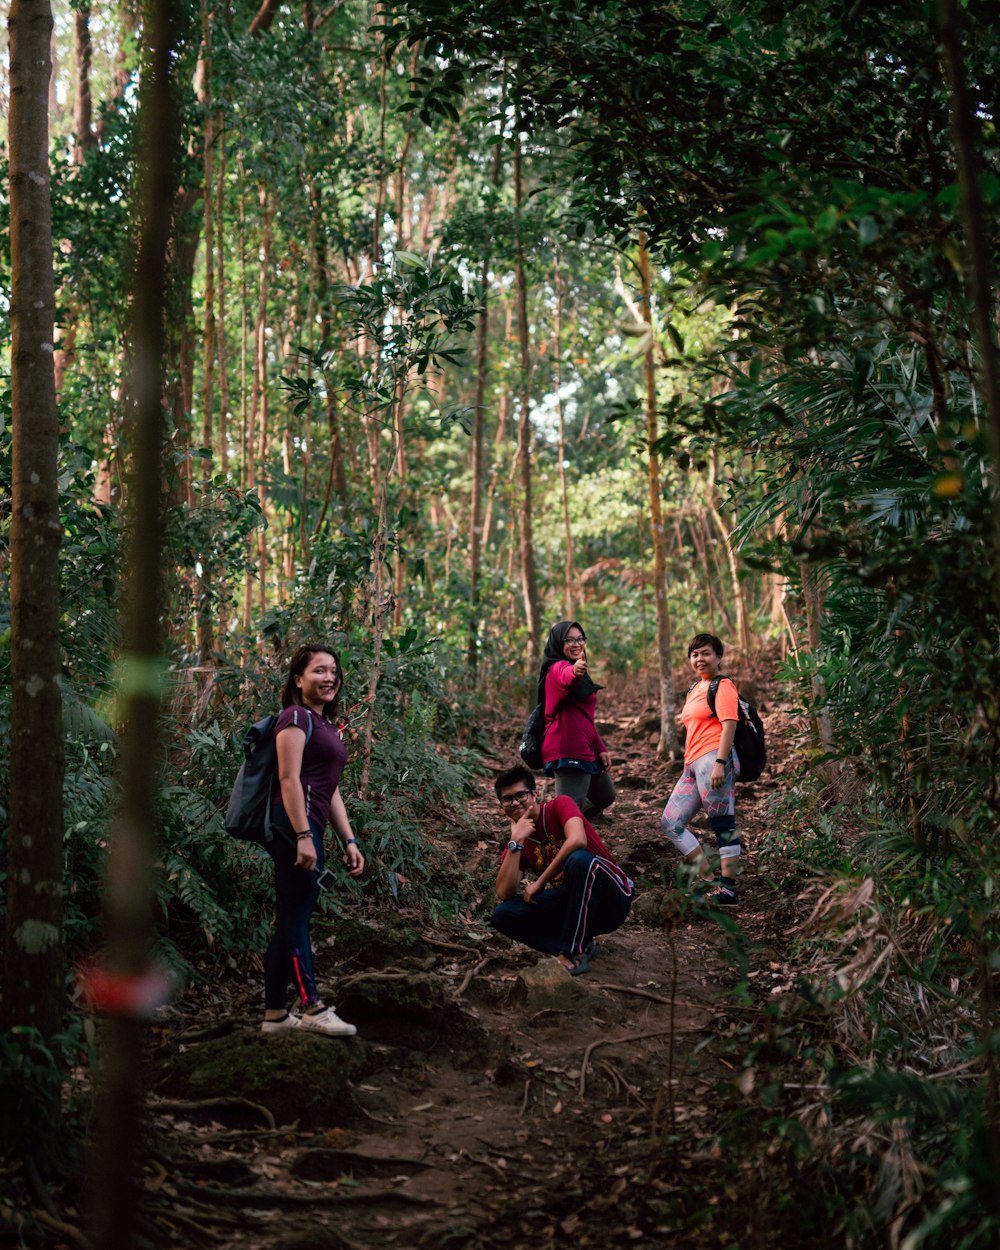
(337, 476)
(83, 109)
(569, 576)
(739, 598)
(220, 320)
(83, 140)
(203, 585)
(698, 543)
(499, 439)
(130, 863)
(222, 426)
(476, 528)
(529, 583)
(256, 440)
(640, 521)
(965, 127)
(667, 744)
(33, 955)
(813, 601)
(980, 281)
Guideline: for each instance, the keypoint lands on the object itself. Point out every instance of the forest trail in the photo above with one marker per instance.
(497, 1102)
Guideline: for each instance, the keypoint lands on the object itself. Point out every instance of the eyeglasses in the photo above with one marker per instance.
(512, 800)
(575, 641)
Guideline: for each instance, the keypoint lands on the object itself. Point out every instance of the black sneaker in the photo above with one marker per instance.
(721, 894)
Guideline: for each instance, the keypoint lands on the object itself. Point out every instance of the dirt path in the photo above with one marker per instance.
(496, 1102)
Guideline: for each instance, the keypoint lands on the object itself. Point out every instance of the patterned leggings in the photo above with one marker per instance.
(694, 790)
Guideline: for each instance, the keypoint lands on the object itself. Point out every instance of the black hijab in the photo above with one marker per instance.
(583, 687)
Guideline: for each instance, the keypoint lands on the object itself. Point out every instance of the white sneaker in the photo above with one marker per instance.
(328, 1022)
(281, 1026)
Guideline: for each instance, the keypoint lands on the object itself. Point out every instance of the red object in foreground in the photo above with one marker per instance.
(134, 994)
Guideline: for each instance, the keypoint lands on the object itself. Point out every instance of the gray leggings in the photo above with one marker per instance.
(592, 792)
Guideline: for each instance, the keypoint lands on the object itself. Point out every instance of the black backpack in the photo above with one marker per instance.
(749, 739)
(530, 747)
(248, 816)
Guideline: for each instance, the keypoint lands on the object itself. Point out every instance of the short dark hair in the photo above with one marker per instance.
(511, 778)
(707, 640)
(299, 663)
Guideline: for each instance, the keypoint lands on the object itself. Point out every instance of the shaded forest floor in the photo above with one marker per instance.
(489, 1100)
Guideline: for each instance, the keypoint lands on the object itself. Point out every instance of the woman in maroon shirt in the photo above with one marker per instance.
(311, 758)
(572, 749)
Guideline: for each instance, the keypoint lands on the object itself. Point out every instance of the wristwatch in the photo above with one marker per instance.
(513, 846)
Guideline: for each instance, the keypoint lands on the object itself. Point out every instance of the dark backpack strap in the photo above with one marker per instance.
(270, 788)
(713, 689)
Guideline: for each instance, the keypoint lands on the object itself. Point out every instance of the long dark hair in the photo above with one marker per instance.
(299, 663)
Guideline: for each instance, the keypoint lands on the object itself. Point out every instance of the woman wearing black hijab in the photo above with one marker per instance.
(572, 749)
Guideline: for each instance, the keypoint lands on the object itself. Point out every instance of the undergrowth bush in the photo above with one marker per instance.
(893, 1032)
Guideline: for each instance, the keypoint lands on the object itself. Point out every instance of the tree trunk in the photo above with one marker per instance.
(83, 139)
(569, 578)
(83, 109)
(698, 542)
(220, 321)
(743, 636)
(204, 616)
(476, 538)
(402, 470)
(130, 863)
(529, 583)
(256, 427)
(980, 282)
(667, 744)
(503, 413)
(33, 956)
(336, 477)
(813, 601)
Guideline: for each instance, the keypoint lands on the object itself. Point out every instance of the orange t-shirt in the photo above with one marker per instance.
(704, 731)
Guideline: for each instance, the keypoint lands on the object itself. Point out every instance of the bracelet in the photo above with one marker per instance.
(350, 842)
(722, 762)
(300, 836)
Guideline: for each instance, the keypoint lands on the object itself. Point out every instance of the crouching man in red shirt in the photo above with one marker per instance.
(578, 890)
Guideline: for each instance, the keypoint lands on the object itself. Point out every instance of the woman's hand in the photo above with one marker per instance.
(354, 860)
(605, 760)
(580, 667)
(305, 853)
(718, 775)
(531, 890)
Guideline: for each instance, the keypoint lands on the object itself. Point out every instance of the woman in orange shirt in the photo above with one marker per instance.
(710, 771)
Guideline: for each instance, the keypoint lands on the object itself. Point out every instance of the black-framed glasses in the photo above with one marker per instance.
(511, 800)
(571, 642)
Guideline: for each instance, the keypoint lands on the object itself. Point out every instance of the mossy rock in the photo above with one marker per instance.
(356, 944)
(295, 1075)
(387, 1000)
(657, 907)
(412, 1010)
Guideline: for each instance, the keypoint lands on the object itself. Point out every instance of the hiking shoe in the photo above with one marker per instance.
(328, 1022)
(287, 1021)
(721, 894)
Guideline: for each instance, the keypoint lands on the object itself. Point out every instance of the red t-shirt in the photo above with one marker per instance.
(323, 760)
(550, 833)
(704, 731)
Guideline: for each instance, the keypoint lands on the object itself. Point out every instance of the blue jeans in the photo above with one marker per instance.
(564, 918)
(289, 956)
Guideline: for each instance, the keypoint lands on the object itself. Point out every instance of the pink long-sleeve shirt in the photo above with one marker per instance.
(571, 733)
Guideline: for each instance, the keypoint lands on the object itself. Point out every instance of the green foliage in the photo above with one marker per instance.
(34, 1124)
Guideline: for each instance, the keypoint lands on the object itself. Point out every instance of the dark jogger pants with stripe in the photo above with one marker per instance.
(592, 899)
(289, 956)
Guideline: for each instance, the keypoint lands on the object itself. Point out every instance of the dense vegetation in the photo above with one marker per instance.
(448, 286)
